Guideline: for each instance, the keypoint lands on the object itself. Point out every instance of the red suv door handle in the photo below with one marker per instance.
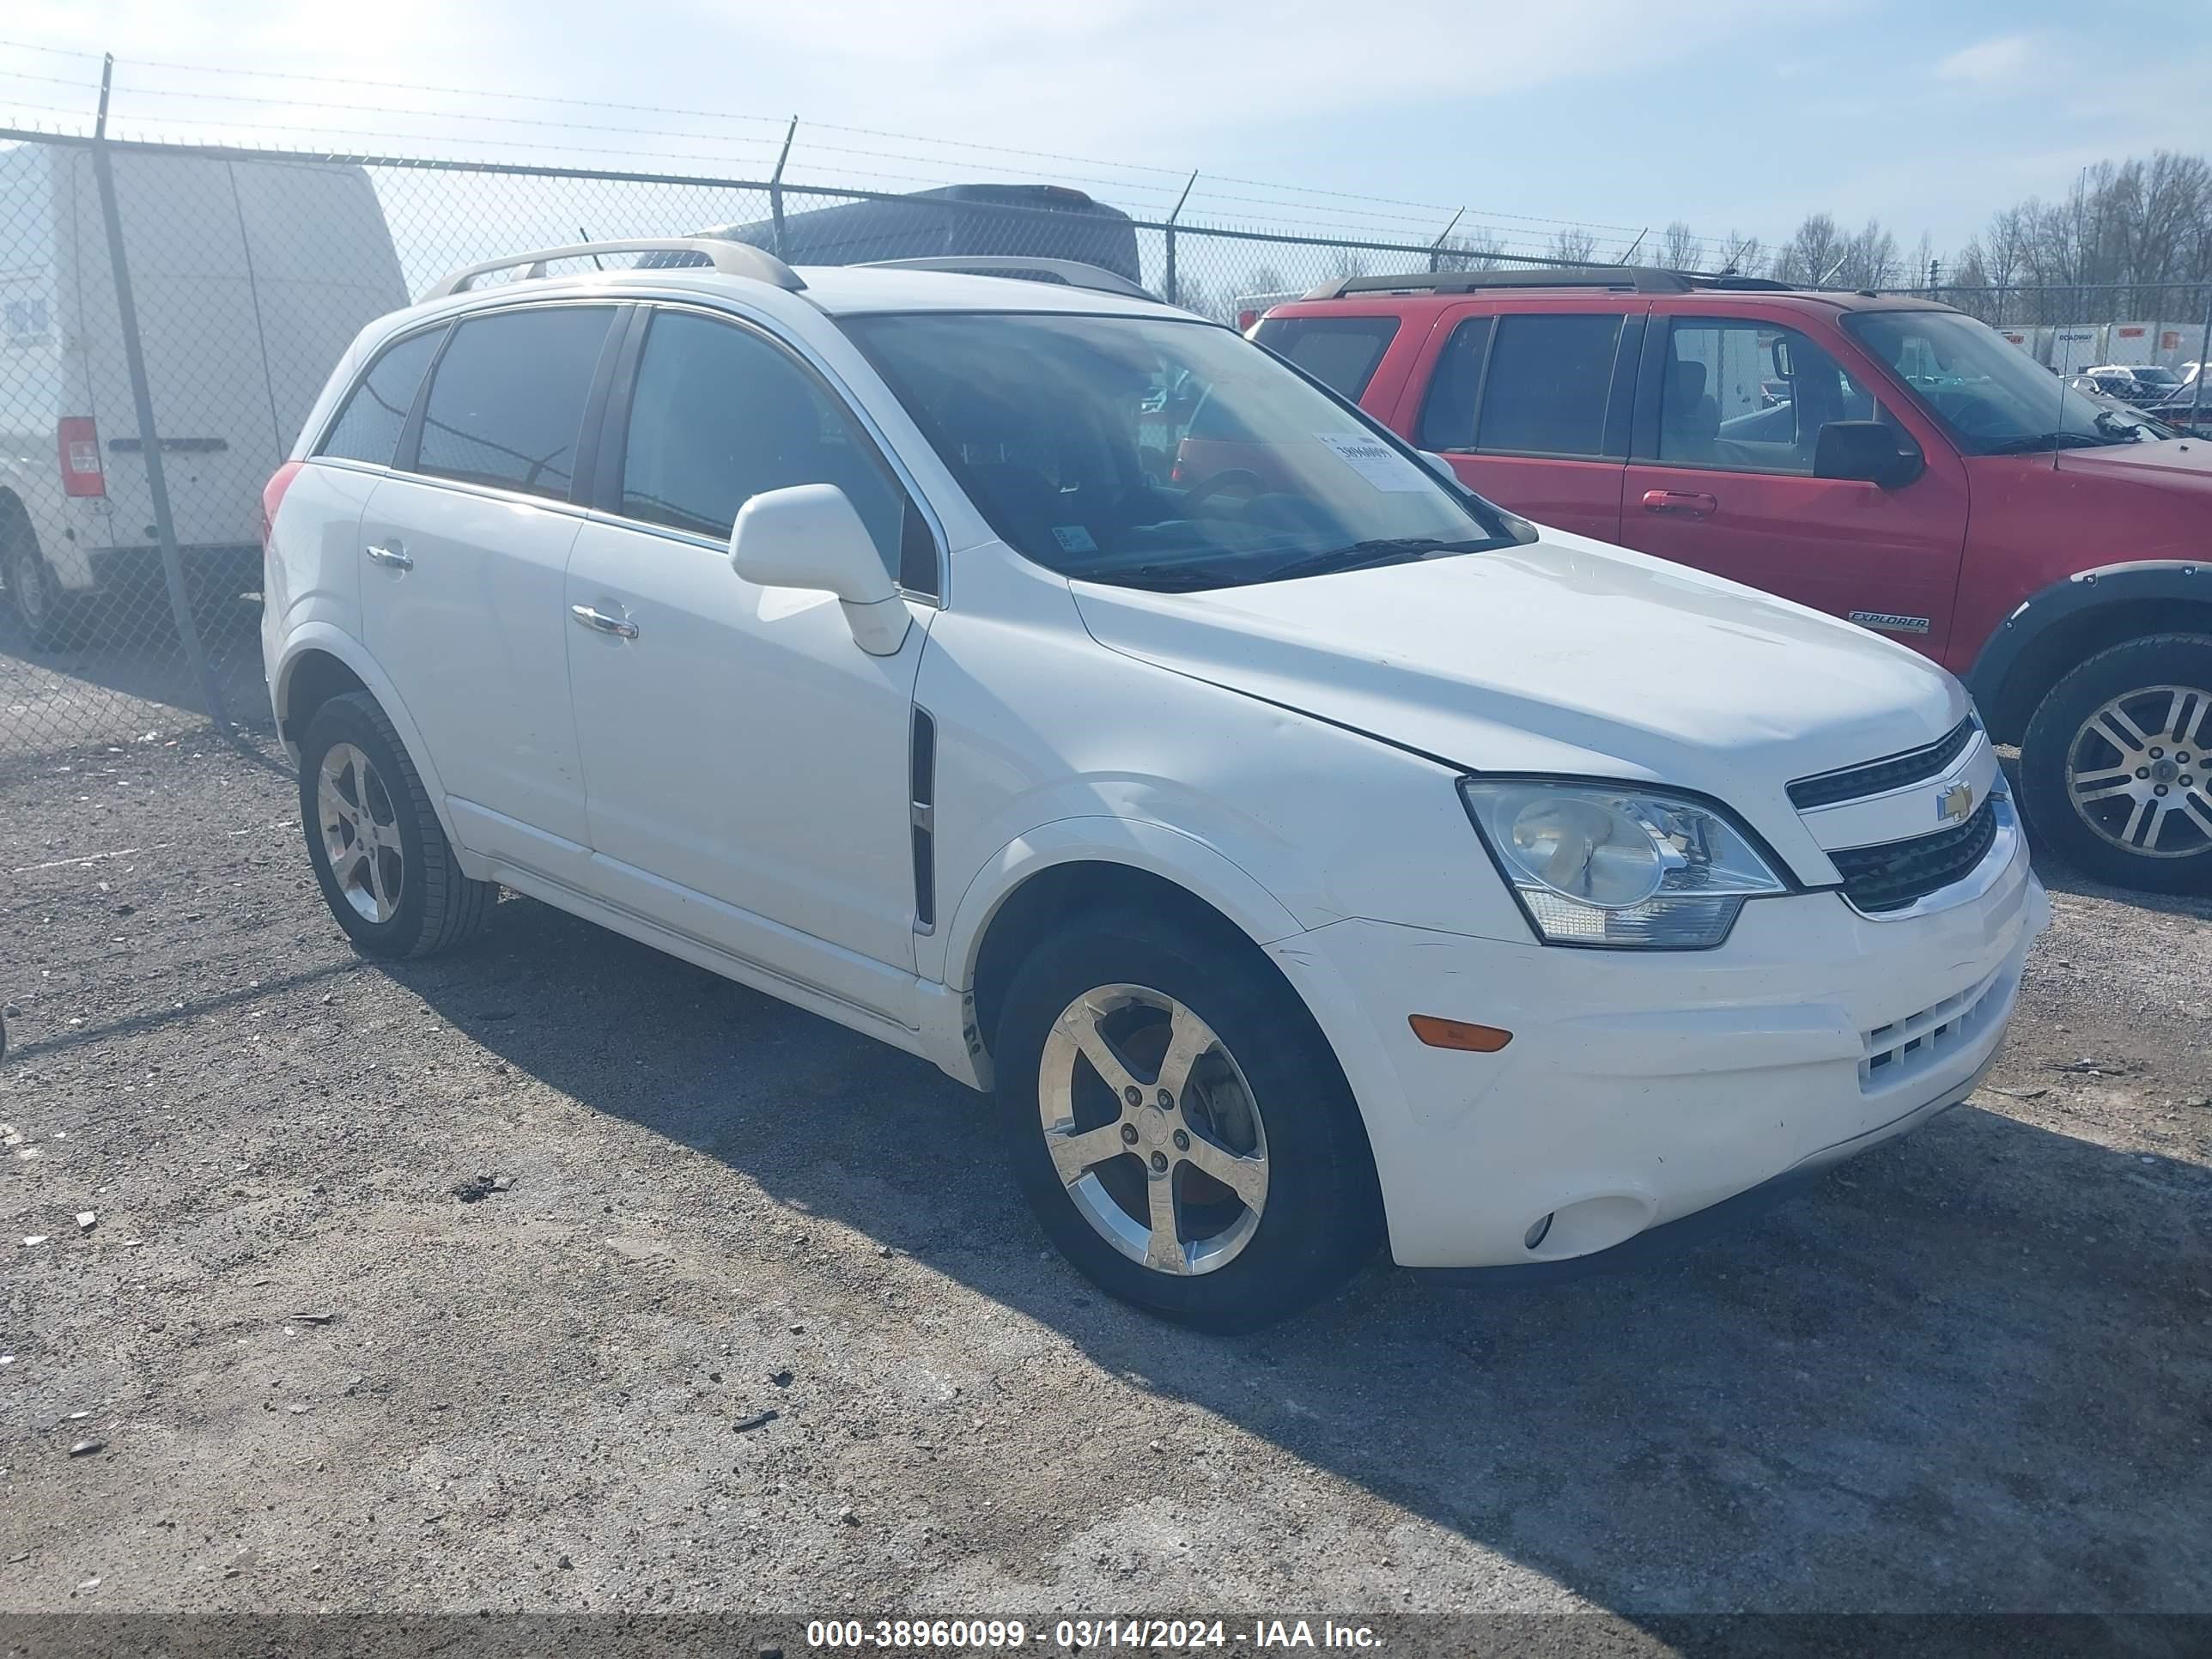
(1690, 504)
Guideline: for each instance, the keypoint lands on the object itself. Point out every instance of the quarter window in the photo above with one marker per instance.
(721, 415)
(368, 426)
(1549, 380)
(1447, 413)
(1340, 352)
(506, 400)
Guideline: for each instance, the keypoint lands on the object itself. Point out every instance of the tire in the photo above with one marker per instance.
(389, 875)
(1268, 1084)
(2114, 775)
(36, 602)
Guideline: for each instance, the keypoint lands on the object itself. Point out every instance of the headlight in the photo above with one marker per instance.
(1617, 865)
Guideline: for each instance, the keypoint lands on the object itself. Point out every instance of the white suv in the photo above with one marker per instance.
(1303, 852)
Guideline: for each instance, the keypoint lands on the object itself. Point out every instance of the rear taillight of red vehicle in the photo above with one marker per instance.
(273, 497)
(77, 440)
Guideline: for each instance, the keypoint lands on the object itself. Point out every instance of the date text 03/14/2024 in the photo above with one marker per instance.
(1083, 1635)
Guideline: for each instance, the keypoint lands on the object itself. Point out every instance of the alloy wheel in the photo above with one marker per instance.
(2138, 775)
(1152, 1130)
(361, 833)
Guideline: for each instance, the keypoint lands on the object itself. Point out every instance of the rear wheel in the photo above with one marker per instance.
(1180, 1125)
(384, 864)
(2114, 775)
(35, 601)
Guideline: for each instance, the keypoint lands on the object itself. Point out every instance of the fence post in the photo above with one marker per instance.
(2203, 351)
(1170, 282)
(776, 186)
(1436, 247)
(142, 396)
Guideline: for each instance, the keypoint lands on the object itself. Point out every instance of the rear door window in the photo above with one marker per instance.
(1340, 352)
(1549, 384)
(506, 400)
(368, 426)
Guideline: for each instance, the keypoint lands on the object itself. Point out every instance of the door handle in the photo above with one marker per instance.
(394, 555)
(600, 622)
(1686, 503)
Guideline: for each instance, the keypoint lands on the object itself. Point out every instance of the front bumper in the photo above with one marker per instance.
(1641, 1088)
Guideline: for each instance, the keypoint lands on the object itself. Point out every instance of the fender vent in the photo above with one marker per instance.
(921, 800)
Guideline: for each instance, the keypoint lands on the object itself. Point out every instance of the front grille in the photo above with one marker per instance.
(1892, 876)
(1880, 777)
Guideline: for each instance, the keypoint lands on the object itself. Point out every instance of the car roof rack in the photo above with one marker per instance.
(1073, 272)
(1637, 279)
(730, 258)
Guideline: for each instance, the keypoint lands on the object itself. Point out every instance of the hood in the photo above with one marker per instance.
(1566, 656)
(2187, 462)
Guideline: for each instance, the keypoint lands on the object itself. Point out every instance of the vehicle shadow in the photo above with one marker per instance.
(1916, 1388)
(126, 660)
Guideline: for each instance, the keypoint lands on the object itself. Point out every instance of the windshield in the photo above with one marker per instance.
(2156, 376)
(1991, 397)
(1151, 452)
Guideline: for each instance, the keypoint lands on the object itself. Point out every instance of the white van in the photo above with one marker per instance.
(250, 279)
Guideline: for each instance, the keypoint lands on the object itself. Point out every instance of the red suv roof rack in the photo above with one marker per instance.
(1639, 279)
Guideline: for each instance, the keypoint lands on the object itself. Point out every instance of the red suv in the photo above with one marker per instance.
(1892, 461)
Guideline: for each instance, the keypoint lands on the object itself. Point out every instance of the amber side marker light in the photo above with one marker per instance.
(1458, 1034)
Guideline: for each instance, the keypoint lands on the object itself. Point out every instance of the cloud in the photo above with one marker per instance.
(1990, 63)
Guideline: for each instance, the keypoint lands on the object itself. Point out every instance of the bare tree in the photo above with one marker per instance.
(1815, 253)
(1871, 258)
(1572, 246)
(1743, 256)
(1679, 248)
(1469, 253)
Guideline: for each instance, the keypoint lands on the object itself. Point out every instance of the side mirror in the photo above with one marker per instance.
(809, 537)
(1869, 451)
(1442, 468)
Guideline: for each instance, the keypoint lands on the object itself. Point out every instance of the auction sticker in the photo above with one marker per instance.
(1375, 461)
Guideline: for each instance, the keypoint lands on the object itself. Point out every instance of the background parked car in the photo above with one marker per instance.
(1637, 406)
(241, 312)
(1045, 222)
(2140, 384)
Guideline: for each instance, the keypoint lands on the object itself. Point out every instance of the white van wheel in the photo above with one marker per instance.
(34, 598)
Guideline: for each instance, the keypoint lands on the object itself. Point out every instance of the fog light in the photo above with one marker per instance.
(1535, 1235)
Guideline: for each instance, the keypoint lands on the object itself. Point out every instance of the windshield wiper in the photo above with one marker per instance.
(1360, 556)
(1159, 578)
(2028, 443)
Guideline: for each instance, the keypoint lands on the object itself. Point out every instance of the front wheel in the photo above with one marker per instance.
(2114, 775)
(1180, 1125)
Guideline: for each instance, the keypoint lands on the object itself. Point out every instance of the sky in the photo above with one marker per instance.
(1387, 116)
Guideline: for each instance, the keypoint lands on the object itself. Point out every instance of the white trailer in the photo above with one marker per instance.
(249, 278)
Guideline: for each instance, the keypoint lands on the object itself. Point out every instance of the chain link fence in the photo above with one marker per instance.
(168, 314)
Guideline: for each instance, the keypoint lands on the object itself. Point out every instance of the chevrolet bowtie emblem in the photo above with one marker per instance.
(1956, 803)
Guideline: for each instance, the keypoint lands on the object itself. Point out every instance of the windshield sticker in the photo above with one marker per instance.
(1074, 538)
(1375, 461)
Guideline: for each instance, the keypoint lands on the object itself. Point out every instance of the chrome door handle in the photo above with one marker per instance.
(600, 622)
(392, 555)
(1690, 504)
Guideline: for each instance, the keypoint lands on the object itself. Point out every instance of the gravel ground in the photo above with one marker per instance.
(559, 1275)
